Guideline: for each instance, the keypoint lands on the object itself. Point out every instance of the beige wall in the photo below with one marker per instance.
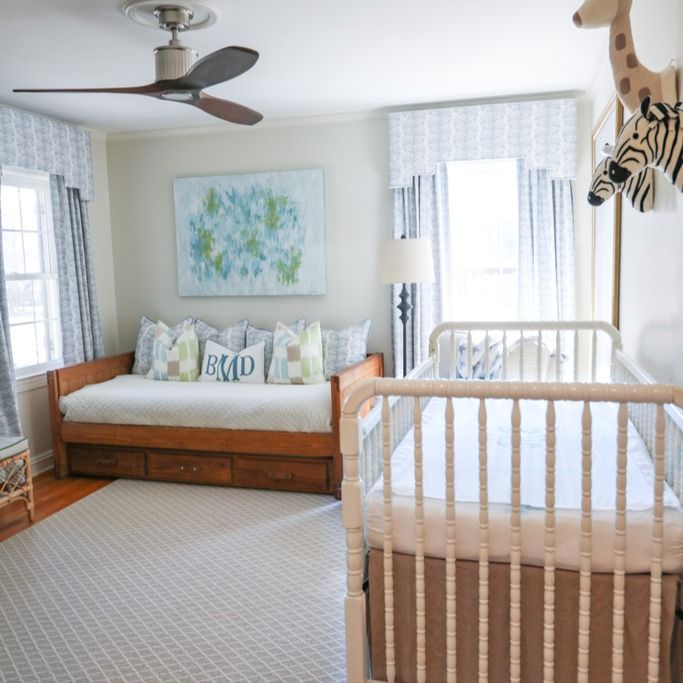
(353, 156)
(652, 244)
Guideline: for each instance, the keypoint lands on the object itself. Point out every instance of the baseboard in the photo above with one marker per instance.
(42, 462)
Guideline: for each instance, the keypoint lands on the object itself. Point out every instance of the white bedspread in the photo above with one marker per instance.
(568, 488)
(134, 400)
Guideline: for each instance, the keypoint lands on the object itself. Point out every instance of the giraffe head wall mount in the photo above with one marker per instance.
(633, 81)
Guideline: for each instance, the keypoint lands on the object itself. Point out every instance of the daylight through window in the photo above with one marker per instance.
(483, 207)
(30, 271)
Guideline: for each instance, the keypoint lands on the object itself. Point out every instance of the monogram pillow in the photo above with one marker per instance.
(221, 364)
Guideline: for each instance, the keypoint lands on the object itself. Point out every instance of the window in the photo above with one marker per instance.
(483, 205)
(30, 271)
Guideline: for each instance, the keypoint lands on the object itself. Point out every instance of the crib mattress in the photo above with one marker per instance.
(134, 400)
(639, 492)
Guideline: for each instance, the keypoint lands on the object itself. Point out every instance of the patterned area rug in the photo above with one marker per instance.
(146, 581)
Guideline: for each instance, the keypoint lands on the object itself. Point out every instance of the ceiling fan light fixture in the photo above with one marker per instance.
(177, 96)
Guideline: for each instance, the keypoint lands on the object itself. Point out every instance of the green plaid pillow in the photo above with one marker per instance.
(174, 357)
(297, 358)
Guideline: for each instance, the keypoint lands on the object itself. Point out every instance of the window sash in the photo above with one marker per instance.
(45, 323)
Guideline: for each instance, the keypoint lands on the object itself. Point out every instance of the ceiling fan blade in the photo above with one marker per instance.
(226, 110)
(149, 89)
(217, 67)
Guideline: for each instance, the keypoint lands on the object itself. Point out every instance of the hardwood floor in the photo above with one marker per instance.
(51, 495)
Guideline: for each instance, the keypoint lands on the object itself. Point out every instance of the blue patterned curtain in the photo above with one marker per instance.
(547, 289)
(9, 413)
(78, 308)
(543, 136)
(38, 143)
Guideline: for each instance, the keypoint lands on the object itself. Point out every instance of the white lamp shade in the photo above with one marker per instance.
(406, 260)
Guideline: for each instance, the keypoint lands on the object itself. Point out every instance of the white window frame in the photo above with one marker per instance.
(19, 177)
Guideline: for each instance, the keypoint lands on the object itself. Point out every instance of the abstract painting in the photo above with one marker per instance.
(252, 234)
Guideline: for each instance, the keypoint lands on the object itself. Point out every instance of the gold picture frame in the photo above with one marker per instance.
(606, 256)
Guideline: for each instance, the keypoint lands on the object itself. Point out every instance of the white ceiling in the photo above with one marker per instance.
(317, 57)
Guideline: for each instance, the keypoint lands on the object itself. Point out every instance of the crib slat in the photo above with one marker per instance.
(388, 542)
(539, 356)
(619, 597)
(454, 355)
(487, 368)
(655, 626)
(483, 548)
(558, 356)
(451, 651)
(469, 355)
(505, 354)
(549, 574)
(516, 550)
(521, 355)
(576, 355)
(586, 543)
(420, 602)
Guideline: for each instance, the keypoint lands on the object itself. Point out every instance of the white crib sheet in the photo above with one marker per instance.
(568, 488)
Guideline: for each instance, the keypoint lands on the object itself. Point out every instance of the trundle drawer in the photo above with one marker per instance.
(106, 462)
(199, 469)
(289, 475)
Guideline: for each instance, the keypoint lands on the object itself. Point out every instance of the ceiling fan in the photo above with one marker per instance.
(180, 77)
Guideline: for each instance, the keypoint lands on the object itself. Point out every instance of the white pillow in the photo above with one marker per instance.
(221, 364)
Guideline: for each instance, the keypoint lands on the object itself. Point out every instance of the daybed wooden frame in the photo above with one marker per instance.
(260, 459)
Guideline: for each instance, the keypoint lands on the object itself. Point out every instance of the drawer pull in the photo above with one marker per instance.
(106, 462)
(280, 476)
(194, 468)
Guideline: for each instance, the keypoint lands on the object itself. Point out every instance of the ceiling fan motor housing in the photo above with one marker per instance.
(173, 61)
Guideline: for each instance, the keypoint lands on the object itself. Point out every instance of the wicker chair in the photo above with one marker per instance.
(15, 472)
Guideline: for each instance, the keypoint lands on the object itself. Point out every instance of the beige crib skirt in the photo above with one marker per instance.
(566, 620)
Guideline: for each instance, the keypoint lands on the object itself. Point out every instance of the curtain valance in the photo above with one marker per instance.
(43, 144)
(543, 133)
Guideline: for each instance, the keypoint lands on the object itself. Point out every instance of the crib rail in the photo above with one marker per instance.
(403, 401)
(525, 351)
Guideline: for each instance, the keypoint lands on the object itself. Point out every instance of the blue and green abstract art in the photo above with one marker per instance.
(249, 235)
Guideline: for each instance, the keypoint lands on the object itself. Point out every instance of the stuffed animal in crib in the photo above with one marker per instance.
(633, 81)
(639, 190)
(653, 136)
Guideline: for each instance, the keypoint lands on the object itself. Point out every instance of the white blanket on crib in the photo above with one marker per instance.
(568, 474)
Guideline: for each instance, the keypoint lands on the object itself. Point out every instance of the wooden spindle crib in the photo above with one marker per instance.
(456, 582)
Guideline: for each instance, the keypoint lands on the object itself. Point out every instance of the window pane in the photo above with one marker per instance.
(485, 238)
(20, 301)
(24, 345)
(55, 340)
(40, 309)
(33, 252)
(30, 211)
(13, 252)
(9, 201)
(42, 347)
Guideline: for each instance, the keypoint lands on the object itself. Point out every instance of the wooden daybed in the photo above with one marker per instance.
(258, 459)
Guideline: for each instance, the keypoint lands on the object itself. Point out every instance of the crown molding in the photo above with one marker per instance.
(222, 129)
